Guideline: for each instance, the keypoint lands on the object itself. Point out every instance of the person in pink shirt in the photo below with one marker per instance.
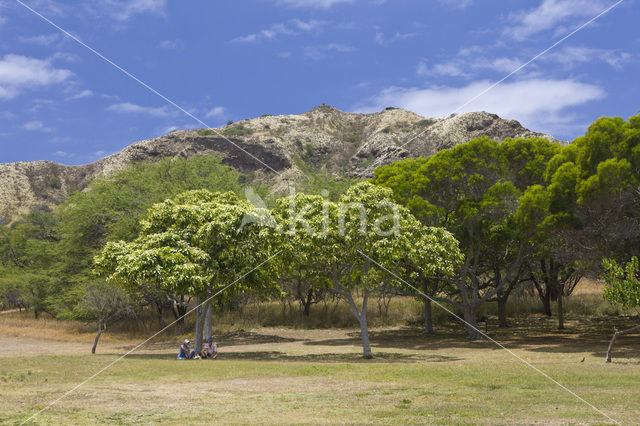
(210, 349)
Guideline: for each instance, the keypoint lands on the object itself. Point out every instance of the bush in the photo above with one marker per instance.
(309, 151)
(238, 130)
(205, 132)
(426, 122)
(55, 183)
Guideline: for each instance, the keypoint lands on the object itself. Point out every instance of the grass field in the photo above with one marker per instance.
(281, 375)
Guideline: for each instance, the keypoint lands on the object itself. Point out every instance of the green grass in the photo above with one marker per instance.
(460, 388)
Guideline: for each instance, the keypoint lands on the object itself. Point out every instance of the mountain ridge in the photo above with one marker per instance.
(325, 139)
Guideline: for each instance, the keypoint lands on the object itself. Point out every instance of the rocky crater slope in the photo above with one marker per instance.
(324, 139)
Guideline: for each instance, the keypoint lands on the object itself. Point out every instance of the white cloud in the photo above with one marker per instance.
(43, 40)
(310, 25)
(171, 44)
(63, 154)
(81, 95)
(293, 27)
(36, 126)
(19, 73)
(467, 66)
(65, 56)
(549, 14)
(33, 125)
(7, 115)
(537, 103)
(123, 10)
(320, 52)
(382, 40)
(470, 61)
(458, 4)
(167, 130)
(129, 108)
(574, 55)
(313, 4)
(216, 112)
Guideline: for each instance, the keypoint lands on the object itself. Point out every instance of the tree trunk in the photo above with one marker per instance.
(428, 320)
(180, 311)
(560, 311)
(199, 326)
(502, 311)
(470, 317)
(208, 329)
(546, 303)
(362, 319)
(160, 311)
(101, 328)
(307, 303)
(364, 331)
(615, 336)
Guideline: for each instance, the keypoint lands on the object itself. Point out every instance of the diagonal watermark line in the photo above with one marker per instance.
(521, 67)
(500, 345)
(142, 83)
(111, 364)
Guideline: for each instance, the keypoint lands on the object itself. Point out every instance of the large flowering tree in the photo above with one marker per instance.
(195, 244)
(352, 245)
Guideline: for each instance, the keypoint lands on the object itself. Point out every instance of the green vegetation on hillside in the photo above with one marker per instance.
(46, 258)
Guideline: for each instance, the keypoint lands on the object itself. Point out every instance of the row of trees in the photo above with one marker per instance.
(524, 212)
(201, 242)
(528, 210)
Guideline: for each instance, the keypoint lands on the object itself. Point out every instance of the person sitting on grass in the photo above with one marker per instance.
(185, 351)
(210, 350)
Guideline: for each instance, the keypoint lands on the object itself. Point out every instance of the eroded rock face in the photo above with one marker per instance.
(323, 139)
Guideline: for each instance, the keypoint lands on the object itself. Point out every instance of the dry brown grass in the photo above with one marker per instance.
(589, 286)
(23, 324)
(283, 375)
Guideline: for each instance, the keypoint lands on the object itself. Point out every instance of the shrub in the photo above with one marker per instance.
(55, 183)
(309, 151)
(205, 132)
(238, 130)
(426, 122)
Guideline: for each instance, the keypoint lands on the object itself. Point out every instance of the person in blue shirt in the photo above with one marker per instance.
(185, 351)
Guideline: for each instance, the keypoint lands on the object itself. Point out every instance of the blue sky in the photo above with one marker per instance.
(230, 60)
